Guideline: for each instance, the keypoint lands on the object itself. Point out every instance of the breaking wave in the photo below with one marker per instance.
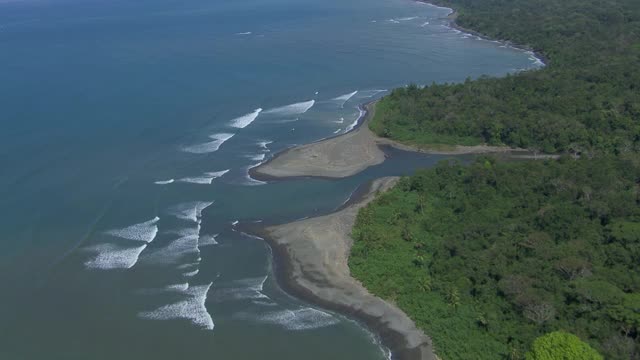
(344, 98)
(208, 240)
(263, 144)
(111, 256)
(191, 211)
(294, 320)
(210, 146)
(145, 231)
(207, 178)
(191, 308)
(174, 252)
(244, 289)
(293, 109)
(244, 120)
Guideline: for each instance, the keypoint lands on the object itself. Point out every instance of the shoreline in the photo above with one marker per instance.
(350, 153)
(453, 15)
(311, 263)
(333, 157)
(347, 154)
(311, 255)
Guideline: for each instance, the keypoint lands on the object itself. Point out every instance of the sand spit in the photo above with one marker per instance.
(348, 154)
(312, 262)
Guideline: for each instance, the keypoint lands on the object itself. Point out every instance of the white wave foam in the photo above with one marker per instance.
(167, 288)
(394, 21)
(210, 146)
(293, 109)
(145, 231)
(536, 61)
(111, 256)
(298, 319)
(244, 289)
(424, 24)
(249, 181)
(407, 18)
(203, 180)
(337, 131)
(234, 223)
(190, 210)
(206, 179)
(177, 287)
(217, 174)
(207, 240)
(257, 157)
(353, 125)
(344, 98)
(192, 273)
(244, 120)
(164, 182)
(244, 33)
(174, 252)
(189, 265)
(263, 144)
(371, 93)
(191, 308)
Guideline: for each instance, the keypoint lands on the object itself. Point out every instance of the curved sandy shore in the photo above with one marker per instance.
(312, 262)
(348, 154)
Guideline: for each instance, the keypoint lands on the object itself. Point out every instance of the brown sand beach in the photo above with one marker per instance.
(312, 263)
(348, 154)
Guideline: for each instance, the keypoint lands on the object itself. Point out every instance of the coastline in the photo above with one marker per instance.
(311, 255)
(347, 154)
(311, 262)
(452, 17)
(333, 157)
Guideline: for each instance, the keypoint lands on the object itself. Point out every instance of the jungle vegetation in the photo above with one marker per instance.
(523, 259)
(586, 101)
(488, 257)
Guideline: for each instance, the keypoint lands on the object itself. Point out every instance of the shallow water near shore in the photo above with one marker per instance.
(126, 134)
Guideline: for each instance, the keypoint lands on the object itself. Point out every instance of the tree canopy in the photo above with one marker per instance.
(560, 345)
(490, 256)
(586, 100)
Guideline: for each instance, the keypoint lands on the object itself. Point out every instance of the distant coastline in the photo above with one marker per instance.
(453, 16)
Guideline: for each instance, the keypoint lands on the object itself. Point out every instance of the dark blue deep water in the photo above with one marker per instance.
(126, 132)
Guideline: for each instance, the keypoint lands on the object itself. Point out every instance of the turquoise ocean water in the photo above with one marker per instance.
(127, 129)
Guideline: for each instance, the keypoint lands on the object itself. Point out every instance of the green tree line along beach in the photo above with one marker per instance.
(521, 259)
(586, 100)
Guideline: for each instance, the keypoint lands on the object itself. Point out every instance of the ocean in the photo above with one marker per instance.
(127, 129)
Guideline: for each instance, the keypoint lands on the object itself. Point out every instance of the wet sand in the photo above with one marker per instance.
(312, 262)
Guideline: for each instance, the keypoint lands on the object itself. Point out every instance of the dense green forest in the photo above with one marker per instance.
(587, 100)
(520, 260)
(488, 257)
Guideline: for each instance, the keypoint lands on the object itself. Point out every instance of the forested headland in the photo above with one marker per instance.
(524, 259)
(586, 101)
(488, 257)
